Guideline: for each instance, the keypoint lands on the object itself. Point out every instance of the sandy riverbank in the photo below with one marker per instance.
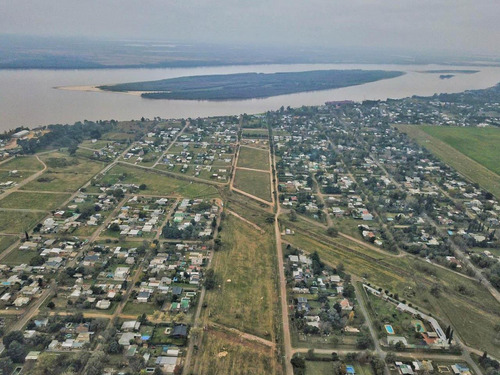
(97, 89)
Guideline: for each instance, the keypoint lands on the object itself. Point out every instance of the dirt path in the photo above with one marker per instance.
(287, 341)
(26, 180)
(246, 221)
(246, 336)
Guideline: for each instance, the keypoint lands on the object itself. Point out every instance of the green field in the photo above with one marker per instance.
(254, 183)
(245, 266)
(253, 158)
(18, 221)
(34, 201)
(158, 183)
(480, 144)
(473, 152)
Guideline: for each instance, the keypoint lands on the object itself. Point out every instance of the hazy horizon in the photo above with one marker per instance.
(425, 27)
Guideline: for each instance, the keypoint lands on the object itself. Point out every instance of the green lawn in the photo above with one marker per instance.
(253, 158)
(253, 182)
(35, 201)
(477, 165)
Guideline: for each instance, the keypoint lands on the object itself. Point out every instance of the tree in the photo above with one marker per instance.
(13, 336)
(136, 364)
(114, 227)
(298, 362)
(210, 279)
(293, 215)
(37, 260)
(51, 305)
(6, 365)
(363, 341)
(16, 352)
(390, 357)
(332, 232)
(96, 363)
(399, 346)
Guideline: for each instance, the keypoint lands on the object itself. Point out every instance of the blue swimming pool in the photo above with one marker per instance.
(389, 329)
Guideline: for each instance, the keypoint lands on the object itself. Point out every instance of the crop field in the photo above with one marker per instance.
(19, 221)
(463, 150)
(250, 157)
(158, 183)
(474, 312)
(33, 200)
(245, 267)
(254, 183)
(225, 354)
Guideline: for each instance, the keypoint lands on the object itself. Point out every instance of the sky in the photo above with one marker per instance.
(456, 26)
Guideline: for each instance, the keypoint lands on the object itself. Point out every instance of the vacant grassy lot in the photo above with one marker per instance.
(63, 182)
(473, 312)
(22, 163)
(65, 173)
(321, 368)
(471, 160)
(132, 308)
(18, 222)
(225, 354)
(245, 267)
(34, 201)
(253, 158)
(158, 183)
(250, 210)
(6, 241)
(253, 182)
(18, 257)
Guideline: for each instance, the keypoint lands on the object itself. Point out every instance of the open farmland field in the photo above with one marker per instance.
(253, 182)
(245, 268)
(158, 183)
(474, 313)
(33, 200)
(480, 144)
(250, 157)
(19, 221)
(464, 150)
(225, 354)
